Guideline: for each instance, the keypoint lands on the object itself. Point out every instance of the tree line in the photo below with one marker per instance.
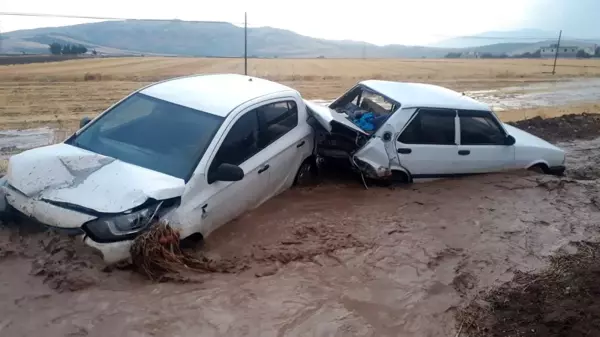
(528, 55)
(67, 49)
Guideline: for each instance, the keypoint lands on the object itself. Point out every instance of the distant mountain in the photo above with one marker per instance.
(521, 36)
(200, 39)
(182, 38)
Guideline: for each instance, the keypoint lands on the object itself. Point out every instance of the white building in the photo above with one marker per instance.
(563, 51)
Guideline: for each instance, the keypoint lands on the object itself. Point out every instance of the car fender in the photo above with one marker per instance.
(3, 202)
(537, 162)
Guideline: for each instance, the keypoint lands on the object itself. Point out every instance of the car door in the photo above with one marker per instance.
(427, 146)
(286, 141)
(227, 200)
(482, 144)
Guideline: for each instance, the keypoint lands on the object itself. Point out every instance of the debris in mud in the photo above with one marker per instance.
(308, 242)
(157, 254)
(563, 300)
(563, 128)
(591, 172)
(66, 266)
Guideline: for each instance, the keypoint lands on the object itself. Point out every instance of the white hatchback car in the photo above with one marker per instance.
(196, 151)
(406, 131)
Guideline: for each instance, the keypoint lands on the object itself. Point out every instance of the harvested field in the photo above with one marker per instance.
(60, 93)
(27, 59)
(334, 260)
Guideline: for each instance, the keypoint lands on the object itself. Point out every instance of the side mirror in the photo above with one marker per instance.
(226, 172)
(83, 122)
(510, 140)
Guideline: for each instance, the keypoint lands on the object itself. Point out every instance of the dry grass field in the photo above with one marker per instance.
(60, 93)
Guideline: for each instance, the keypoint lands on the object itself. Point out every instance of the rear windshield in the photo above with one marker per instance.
(153, 134)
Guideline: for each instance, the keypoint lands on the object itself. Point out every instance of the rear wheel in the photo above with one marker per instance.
(307, 173)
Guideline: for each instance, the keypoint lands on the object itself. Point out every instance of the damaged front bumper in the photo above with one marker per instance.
(96, 232)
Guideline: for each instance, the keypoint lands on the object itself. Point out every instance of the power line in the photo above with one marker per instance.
(88, 17)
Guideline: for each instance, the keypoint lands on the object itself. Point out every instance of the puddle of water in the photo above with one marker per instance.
(540, 94)
(15, 141)
(533, 95)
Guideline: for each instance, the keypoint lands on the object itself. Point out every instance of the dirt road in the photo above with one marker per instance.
(334, 260)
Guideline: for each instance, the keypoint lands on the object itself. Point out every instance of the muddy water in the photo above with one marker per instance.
(333, 260)
(14, 141)
(540, 94)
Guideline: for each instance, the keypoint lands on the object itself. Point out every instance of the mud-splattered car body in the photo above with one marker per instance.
(423, 131)
(195, 152)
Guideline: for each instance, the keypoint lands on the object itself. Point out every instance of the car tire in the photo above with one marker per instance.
(539, 168)
(307, 173)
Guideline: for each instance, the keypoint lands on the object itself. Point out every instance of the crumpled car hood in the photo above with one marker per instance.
(327, 116)
(66, 174)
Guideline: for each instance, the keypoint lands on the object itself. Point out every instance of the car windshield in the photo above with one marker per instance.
(153, 134)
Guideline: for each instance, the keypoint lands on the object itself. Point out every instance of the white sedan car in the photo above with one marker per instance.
(196, 151)
(406, 131)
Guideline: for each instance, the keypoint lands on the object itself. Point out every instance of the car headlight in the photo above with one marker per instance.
(120, 227)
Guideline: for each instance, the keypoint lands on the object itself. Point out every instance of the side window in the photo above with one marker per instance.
(275, 120)
(430, 127)
(478, 129)
(241, 142)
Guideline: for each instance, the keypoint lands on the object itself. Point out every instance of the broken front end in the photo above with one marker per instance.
(340, 142)
(104, 201)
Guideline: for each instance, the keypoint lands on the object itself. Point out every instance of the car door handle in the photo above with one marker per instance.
(404, 151)
(263, 169)
(204, 211)
(464, 152)
(301, 144)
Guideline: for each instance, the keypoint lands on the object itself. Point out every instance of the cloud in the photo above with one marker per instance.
(575, 17)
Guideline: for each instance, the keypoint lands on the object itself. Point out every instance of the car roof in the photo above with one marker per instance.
(217, 94)
(421, 95)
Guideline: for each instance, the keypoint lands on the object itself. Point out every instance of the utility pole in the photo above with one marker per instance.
(364, 51)
(556, 54)
(245, 43)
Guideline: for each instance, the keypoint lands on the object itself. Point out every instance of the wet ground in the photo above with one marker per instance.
(331, 260)
(540, 94)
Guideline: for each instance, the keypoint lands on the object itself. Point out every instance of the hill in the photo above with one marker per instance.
(521, 36)
(182, 38)
(200, 39)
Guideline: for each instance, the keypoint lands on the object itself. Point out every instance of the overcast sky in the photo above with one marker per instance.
(376, 21)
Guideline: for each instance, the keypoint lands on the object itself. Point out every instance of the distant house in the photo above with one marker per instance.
(470, 55)
(563, 51)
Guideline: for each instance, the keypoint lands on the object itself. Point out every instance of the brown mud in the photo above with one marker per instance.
(331, 260)
(563, 300)
(564, 128)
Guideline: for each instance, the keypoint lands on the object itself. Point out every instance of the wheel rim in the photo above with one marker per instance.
(303, 173)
